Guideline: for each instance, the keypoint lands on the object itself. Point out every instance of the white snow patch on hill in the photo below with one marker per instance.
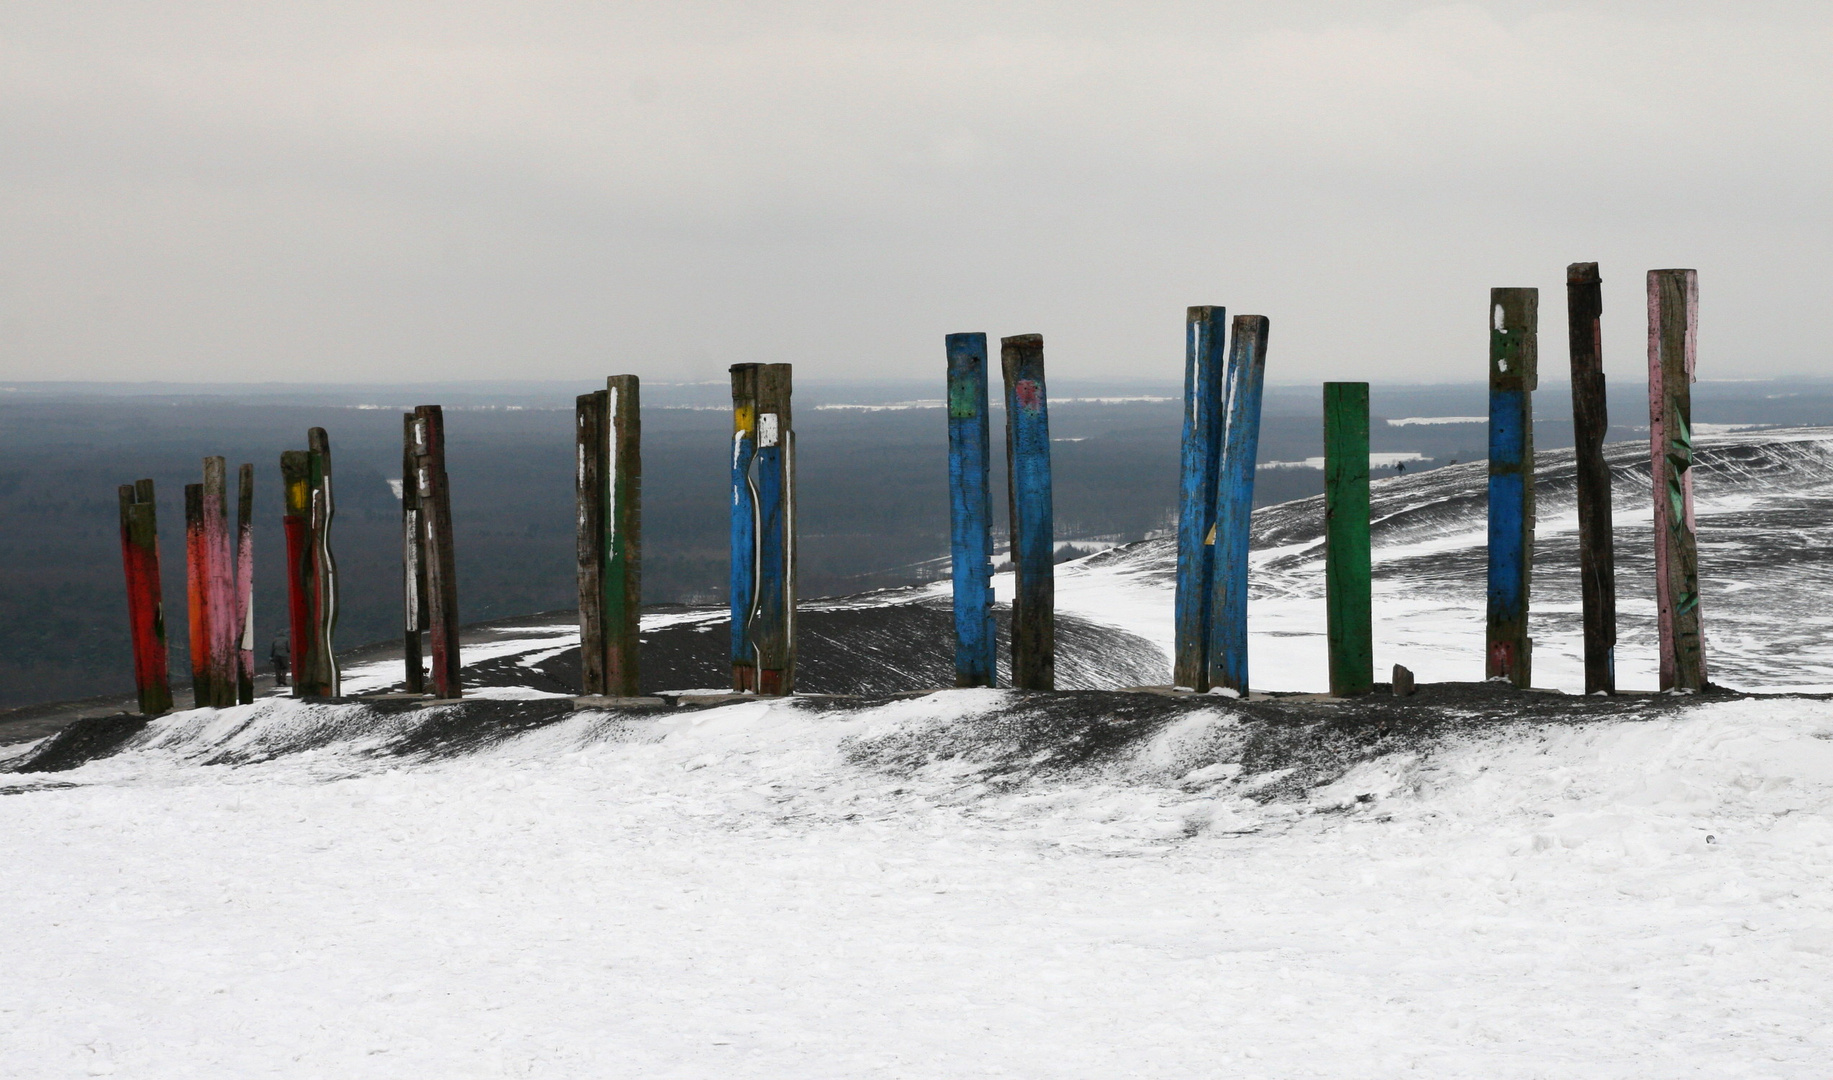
(750, 891)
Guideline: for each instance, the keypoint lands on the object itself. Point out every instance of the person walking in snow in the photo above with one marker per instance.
(282, 656)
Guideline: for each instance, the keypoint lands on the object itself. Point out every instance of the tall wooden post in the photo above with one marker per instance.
(1205, 340)
(1673, 330)
(1514, 362)
(222, 630)
(197, 595)
(742, 595)
(245, 585)
(296, 486)
(589, 539)
(324, 565)
(413, 563)
(441, 563)
(771, 631)
(623, 534)
(145, 605)
(970, 501)
(1347, 559)
(1247, 366)
(1590, 424)
(1028, 488)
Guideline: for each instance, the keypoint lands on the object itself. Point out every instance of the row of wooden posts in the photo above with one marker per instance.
(1222, 418)
(1225, 367)
(219, 575)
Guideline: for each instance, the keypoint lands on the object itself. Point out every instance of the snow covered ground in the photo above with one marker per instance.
(921, 889)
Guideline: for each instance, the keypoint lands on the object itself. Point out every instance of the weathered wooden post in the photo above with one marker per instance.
(609, 542)
(589, 536)
(1205, 334)
(1673, 330)
(296, 486)
(763, 597)
(971, 511)
(1514, 316)
(145, 604)
(1347, 559)
(245, 585)
(623, 545)
(197, 597)
(1590, 423)
(772, 633)
(1241, 391)
(324, 565)
(222, 629)
(1033, 542)
(441, 562)
(742, 596)
(413, 563)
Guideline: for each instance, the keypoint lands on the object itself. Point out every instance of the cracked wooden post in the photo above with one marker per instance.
(441, 562)
(245, 585)
(296, 487)
(413, 564)
(145, 604)
(971, 511)
(1347, 558)
(1514, 316)
(1032, 520)
(1590, 425)
(323, 509)
(1673, 329)
(1241, 392)
(622, 541)
(1205, 342)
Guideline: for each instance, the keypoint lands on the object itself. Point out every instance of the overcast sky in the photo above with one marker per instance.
(404, 191)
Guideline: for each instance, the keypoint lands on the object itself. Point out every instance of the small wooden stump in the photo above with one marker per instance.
(1403, 682)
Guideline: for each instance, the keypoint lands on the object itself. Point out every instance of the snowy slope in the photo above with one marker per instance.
(960, 885)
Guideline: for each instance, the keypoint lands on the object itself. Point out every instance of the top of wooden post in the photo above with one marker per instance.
(1582, 274)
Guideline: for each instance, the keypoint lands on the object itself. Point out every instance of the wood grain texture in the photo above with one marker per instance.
(145, 605)
(1514, 352)
(1673, 331)
(1347, 568)
(1590, 424)
(1241, 394)
(1205, 343)
(1031, 516)
(623, 534)
(441, 560)
(589, 545)
(970, 505)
